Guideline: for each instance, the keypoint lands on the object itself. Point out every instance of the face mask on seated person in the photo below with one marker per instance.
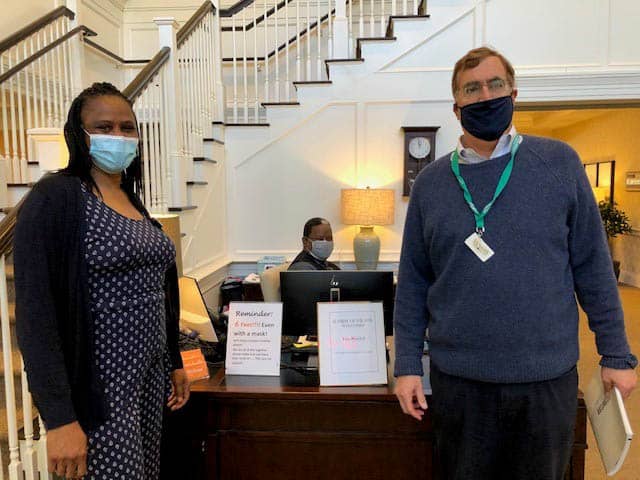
(321, 249)
(489, 119)
(111, 153)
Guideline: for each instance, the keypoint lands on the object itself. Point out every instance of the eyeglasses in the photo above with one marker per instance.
(497, 86)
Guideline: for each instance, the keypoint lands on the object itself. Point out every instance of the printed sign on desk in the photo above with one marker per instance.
(351, 343)
(253, 338)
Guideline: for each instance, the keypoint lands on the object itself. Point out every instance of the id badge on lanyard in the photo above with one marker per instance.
(474, 241)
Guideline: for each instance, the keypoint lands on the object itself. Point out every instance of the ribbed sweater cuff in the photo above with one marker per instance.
(620, 363)
(408, 366)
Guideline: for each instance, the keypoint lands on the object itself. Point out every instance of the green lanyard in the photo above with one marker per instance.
(504, 179)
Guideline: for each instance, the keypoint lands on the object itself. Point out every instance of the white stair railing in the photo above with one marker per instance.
(37, 84)
(289, 40)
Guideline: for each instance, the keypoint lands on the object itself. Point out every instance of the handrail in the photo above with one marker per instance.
(291, 40)
(138, 84)
(250, 25)
(12, 71)
(235, 8)
(110, 54)
(195, 19)
(34, 26)
(7, 227)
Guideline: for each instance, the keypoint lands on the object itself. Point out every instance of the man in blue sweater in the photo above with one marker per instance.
(500, 238)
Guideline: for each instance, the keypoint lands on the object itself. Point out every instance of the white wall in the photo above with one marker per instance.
(22, 13)
(349, 134)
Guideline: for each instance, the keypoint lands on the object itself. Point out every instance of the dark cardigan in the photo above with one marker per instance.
(53, 316)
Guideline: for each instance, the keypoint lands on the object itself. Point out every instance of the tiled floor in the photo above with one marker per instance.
(587, 365)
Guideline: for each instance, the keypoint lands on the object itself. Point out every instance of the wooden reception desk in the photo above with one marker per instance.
(287, 427)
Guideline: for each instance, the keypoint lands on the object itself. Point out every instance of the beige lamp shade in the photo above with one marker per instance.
(367, 206)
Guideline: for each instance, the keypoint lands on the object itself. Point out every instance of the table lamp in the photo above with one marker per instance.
(367, 207)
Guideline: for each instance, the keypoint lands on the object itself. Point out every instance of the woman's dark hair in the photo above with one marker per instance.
(79, 159)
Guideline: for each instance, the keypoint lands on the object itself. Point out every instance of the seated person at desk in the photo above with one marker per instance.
(317, 243)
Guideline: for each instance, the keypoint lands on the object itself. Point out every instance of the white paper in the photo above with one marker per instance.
(610, 423)
(351, 343)
(253, 338)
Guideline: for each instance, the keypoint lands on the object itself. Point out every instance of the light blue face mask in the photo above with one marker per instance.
(111, 153)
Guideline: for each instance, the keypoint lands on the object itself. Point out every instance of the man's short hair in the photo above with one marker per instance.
(312, 222)
(473, 58)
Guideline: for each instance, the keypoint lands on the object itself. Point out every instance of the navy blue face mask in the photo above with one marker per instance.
(489, 119)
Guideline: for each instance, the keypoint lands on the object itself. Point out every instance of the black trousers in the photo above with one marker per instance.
(488, 431)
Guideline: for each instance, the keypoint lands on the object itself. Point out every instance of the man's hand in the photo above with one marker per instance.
(67, 451)
(625, 380)
(408, 389)
(179, 389)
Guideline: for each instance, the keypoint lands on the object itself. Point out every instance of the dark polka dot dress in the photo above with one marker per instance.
(127, 260)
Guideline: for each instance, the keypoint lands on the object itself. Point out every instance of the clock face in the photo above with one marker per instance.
(419, 147)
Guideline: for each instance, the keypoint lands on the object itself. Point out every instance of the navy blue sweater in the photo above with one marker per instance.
(514, 318)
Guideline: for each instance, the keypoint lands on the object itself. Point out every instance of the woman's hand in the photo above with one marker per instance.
(179, 389)
(67, 451)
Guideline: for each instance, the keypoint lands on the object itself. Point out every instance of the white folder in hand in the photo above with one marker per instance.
(610, 423)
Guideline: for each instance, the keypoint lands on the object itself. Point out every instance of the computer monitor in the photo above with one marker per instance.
(301, 290)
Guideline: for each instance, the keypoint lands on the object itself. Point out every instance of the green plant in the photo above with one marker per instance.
(615, 220)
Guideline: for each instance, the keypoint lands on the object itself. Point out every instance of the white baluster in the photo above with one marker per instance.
(309, 36)
(15, 465)
(330, 25)
(165, 177)
(41, 75)
(15, 159)
(265, 49)
(298, 47)
(221, 101)
(30, 459)
(153, 150)
(235, 70)
(52, 79)
(139, 111)
(48, 76)
(318, 42)
(393, 7)
(276, 57)
(404, 7)
(361, 22)
(6, 152)
(245, 75)
(341, 27)
(60, 68)
(383, 17)
(42, 450)
(193, 114)
(34, 94)
(287, 80)
(200, 97)
(66, 65)
(372, 19)
(256, 102)
(21, 126)
(350, 29)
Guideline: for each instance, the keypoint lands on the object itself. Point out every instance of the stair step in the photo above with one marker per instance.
(183, 208)
(341, 60)
(280, 104)
(371, 39)
(247, 124)
(204, 159)
(392, 18)
(211, 139)
(196, 182)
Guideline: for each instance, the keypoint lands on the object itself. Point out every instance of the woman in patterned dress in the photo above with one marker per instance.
(97, 301)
